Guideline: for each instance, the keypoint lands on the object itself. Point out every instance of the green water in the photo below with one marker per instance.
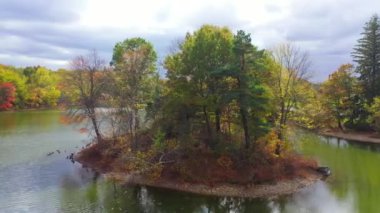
(33, 181)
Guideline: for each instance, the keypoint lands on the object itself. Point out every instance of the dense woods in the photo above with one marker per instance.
(222, 98)
(35, 87)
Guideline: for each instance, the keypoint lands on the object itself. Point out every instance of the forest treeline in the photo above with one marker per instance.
(225, 79)
(30, 87)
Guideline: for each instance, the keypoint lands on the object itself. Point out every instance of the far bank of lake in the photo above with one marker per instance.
(365, 137)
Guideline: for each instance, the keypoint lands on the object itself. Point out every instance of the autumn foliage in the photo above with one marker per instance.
(7, 95)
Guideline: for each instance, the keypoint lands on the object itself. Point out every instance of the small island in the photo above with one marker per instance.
(202, 172)
(216, 125)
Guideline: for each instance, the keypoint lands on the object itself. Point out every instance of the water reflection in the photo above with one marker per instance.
(342, 143)
(106, 196)
(20, 122)
(355, 169)
(319, 198)
(33, 182)
(354, 187)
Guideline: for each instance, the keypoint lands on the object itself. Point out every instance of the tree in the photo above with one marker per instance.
(289, 70)
(215, 87)
(341, 95)
(28, 72)
(310, 112)
(11, 75)
(89, 81)
(7, 95)
(134, 44)
(196, 78)
(374, 117)
(204, 54)
(42, 87)
(135, 78)
(250, 91)
(367, 55)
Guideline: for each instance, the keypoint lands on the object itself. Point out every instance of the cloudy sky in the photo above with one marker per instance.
(51, 32)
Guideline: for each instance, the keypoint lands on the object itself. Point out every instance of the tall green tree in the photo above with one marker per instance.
(367, 55)
(205, 53)
(250, 91)
(134, 62)
(214, 80)
(196, 71)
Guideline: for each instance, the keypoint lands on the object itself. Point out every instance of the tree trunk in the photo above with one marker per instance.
(217, 120)
(95, 125)
(282, 121)
(340, 124)
(134, 128)
(244, 121)
(207, 122)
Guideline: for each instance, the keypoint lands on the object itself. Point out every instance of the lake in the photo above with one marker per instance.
(32, 180)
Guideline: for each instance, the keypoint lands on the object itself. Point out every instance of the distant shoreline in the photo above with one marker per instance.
(33, 109)
(365, 137)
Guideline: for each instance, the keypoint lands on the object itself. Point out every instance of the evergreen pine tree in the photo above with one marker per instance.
(367, 56)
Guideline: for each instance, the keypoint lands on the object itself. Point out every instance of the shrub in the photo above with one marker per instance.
(158, 140)
(7, 95)
(270, 147)
(374, 111)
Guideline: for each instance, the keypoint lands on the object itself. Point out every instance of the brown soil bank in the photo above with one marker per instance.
(367, 137)
(202, 173)
(283, 187)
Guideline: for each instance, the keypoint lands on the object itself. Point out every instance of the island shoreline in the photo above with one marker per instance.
(263, 190)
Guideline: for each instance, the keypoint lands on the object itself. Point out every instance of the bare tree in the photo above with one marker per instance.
(290, 70)
(88, 79)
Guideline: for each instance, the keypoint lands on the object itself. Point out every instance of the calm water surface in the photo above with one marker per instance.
(32, 181)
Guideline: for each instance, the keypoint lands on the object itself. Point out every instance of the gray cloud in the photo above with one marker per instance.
(328, 30)
(49, 41)
(40, 10)
(48, 33)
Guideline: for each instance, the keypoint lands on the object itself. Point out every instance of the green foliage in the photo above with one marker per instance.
(216, 88)
(374, 110)
(134, 83)
(342, 98)
(289, 67)
(42, 87)
(309, 112)
(158, 140)
(251, 94)
(132, 45)
(196, 83)
(367, 55)
(135, 77)
(35, 86)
